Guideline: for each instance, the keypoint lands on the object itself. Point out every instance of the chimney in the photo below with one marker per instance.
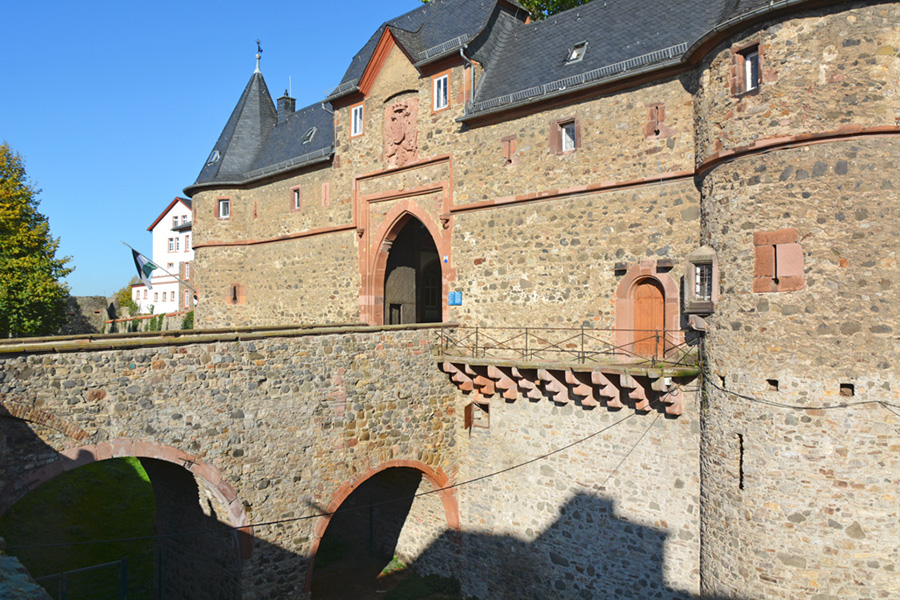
(286, 107)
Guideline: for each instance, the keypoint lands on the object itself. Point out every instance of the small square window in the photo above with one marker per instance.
(751, 70)
(441, 92)
(296, 198)
(567, 133)
(356, 120)
(701, 278)
(576, 52)
(224, 208)
(170, 266)
(746, 76)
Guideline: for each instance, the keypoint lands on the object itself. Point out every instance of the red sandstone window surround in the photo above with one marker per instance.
(296, 199)
(236, 294)
(509, 150)
(357, 124)
(779, 261)
(746, 70)
(565, 135)
(440, 86)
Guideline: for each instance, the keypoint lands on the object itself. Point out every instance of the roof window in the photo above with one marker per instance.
(576, 52)
(309, 135)
(213, 157)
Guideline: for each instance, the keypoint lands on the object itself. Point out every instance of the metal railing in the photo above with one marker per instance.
(108, 580)
(568, 345)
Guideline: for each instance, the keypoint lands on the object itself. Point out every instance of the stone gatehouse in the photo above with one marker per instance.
(664, 230)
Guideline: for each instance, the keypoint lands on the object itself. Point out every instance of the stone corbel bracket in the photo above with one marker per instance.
(588, 386)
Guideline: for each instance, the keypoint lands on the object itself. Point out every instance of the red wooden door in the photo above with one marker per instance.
(649, 318)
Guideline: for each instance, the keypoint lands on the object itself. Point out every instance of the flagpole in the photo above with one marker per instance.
(164, 270)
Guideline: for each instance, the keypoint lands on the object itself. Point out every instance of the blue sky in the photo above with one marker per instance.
(116, 105)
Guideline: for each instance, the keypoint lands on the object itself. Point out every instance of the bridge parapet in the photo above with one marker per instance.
(288, 417)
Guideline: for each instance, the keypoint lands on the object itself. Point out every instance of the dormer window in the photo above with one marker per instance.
(213, 157)
(309, 135)
(576, 52)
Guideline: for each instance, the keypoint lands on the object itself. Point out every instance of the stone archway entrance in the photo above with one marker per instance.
(412, 280)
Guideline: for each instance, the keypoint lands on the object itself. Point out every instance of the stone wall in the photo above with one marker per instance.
(799, 457)
(616, 516)
(274, 428)
(15, 581)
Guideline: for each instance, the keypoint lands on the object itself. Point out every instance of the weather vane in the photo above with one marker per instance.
(258, 47)
(258, 55)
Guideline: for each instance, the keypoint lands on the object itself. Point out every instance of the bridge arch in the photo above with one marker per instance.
(439, 481)
(78, 456)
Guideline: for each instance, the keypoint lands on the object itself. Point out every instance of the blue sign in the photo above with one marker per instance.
(455, 298)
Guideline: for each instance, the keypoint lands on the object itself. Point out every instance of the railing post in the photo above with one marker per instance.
(525, 356)
(583, 358)
(475, 353)
(123, 579)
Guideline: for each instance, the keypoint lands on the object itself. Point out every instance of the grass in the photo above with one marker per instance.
(413, 587)
(106, 500)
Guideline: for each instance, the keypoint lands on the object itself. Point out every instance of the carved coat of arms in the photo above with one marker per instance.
(400, 133)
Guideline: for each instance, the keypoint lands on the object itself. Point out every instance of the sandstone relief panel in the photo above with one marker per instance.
(400, 133)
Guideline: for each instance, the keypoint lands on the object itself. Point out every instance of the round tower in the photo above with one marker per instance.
(798, 152)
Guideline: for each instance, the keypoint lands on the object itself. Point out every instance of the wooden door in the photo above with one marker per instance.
(649, 318)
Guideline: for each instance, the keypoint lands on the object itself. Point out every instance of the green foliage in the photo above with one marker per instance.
(110, 499)
(188, 321)
(414, 587)
(32, 297)
(155, 323)
(126, 302)
(541, 9)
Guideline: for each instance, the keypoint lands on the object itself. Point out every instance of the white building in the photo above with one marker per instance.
(172, 251)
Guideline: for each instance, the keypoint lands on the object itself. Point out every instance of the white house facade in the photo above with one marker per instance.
(172, 252)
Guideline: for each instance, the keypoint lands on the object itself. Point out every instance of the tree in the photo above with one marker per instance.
(541, 9)
(32, 297)
(126, 302)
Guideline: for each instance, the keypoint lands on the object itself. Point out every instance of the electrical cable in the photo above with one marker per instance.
(801, 407)
(233, 528)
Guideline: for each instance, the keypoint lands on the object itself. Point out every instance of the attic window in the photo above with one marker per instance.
(213, 157)
(309, 135)
(576, 52)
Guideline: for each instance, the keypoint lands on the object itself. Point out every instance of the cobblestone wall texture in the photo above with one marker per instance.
(287, 422)
(802, 503)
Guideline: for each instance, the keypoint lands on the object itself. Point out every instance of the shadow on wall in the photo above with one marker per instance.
(86, 314)
(197, 555)
(587, 553)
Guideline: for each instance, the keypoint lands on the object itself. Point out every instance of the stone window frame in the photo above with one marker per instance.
(434, 92)
(361, 107)
(556, 135)
(778, 265)
(739, 65)
(693, 304)
(295, 199)
(222, 215)
(236, 295)
(509, 150)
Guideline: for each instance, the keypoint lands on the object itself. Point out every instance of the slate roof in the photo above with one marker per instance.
(640, 32)
(523, 63)
(254, 144)
(429, 32)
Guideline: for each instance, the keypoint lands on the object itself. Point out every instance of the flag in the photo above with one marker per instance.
(144, 266)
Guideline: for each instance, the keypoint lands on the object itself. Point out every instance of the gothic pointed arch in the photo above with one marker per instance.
(413, 272)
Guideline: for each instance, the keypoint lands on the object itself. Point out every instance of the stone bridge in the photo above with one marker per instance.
(270, 425)
(250, 436)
